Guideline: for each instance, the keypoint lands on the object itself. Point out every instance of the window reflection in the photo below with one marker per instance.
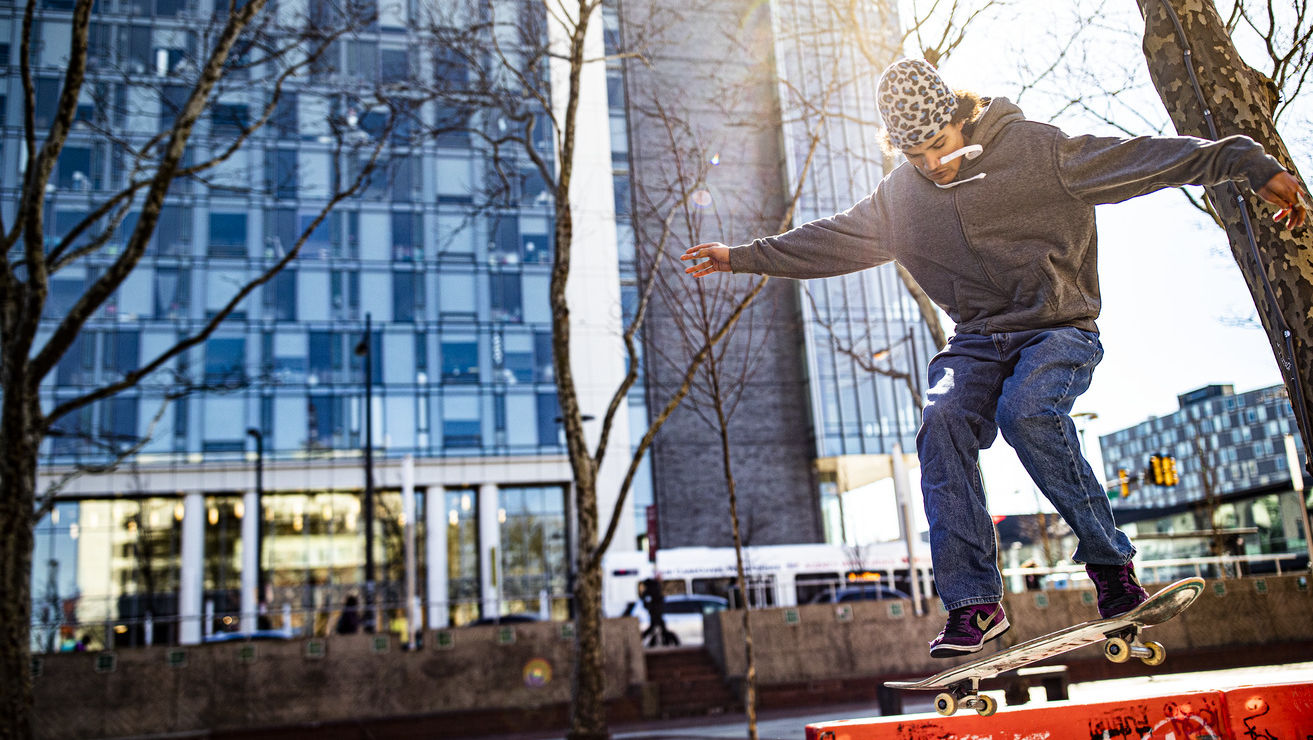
(107, 571)
(462, 555)
(533, 549)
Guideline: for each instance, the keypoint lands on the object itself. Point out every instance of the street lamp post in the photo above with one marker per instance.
(1086, 417)
(259, 514)
(365, 349)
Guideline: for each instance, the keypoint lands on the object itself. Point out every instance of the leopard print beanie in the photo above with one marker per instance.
(914, 102)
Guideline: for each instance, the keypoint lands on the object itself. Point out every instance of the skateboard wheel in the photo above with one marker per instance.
(986, 705)
(1157, 654)
(946, 704)
(1117, 650)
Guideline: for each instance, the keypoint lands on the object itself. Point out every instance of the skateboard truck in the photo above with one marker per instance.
(966, 695)
(1123, 645)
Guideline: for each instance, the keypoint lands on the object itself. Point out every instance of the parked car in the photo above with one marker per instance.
(518, 618)
(683, 614)
(861, 592)
(256, 635)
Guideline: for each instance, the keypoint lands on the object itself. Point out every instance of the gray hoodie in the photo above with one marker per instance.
(1010, 244)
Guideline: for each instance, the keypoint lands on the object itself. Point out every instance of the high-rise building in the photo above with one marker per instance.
(453, 288)
(1228, 451)
(764, 115)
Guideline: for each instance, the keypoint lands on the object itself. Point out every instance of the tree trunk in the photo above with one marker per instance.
(588, 709)
(18, 456)
(1241, 101)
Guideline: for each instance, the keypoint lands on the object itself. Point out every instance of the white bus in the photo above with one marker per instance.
(777, 575)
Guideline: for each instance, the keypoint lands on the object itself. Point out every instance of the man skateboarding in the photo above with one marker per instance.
(993, 215)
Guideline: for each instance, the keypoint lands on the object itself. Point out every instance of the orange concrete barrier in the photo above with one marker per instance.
(1283, 711)
(1267, 712)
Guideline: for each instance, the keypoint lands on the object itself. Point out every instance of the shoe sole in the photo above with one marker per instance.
(953, 651)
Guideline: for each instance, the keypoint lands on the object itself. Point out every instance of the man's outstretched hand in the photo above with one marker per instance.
(715, 254)
(1283, 191)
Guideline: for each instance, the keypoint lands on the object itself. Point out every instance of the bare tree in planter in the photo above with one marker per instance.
(241, 45)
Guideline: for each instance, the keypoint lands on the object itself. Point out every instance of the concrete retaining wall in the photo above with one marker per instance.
(234, 685)
(873, 638)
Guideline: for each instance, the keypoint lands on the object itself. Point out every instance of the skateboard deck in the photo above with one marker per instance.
(1122, 642)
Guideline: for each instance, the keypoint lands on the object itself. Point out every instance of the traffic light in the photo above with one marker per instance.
(1124, 480)
(1156, 470)
(1170, 478)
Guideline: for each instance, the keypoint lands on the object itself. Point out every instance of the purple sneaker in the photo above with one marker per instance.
(1119, 589)
(968, 629)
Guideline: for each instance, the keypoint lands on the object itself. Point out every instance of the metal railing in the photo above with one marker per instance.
(1151, 571)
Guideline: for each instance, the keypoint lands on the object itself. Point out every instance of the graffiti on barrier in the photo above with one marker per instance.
(1127, 725)
(1259, 708)
(1180, 721)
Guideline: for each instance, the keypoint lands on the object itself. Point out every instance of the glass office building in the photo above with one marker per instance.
(866, 343)
(1231, 459)
(455, 289)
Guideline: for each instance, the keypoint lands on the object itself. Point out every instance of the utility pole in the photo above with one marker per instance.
(365, 349)
(259, 515)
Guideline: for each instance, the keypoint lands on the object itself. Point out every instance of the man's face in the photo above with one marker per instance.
(927, 156)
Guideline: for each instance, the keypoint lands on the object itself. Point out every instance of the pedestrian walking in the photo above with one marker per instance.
(652, 591)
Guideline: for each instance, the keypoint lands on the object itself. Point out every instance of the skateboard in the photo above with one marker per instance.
(1121, 642)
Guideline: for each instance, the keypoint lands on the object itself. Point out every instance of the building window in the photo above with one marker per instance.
(173, 231)
(327, 358)
(463, 555)
(118, 422)
(506, 240)
(227, 235)
(280, 296)
(404, 180)
(136, 49)
(533, 547)
(544, 362)
(326, 423)
(345, 288)
(281, 173)
(122, 352)
(460, 361)
(345, 234)
(395, 65)
(407, 236)
(228, 119)
(519, 358)
(76, 366)
(63, 294)
(507, 301)
(407, 296)
(225, 360)
(286, 118)
(456, 295)
(172, 292)
(549, 429)
(74, 169)
(461, 425)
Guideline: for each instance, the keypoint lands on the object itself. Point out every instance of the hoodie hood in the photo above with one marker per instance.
(999, 112)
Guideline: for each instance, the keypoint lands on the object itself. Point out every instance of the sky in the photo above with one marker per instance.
(1176, 312)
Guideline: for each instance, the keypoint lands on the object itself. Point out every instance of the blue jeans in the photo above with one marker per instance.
(1024, 384)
